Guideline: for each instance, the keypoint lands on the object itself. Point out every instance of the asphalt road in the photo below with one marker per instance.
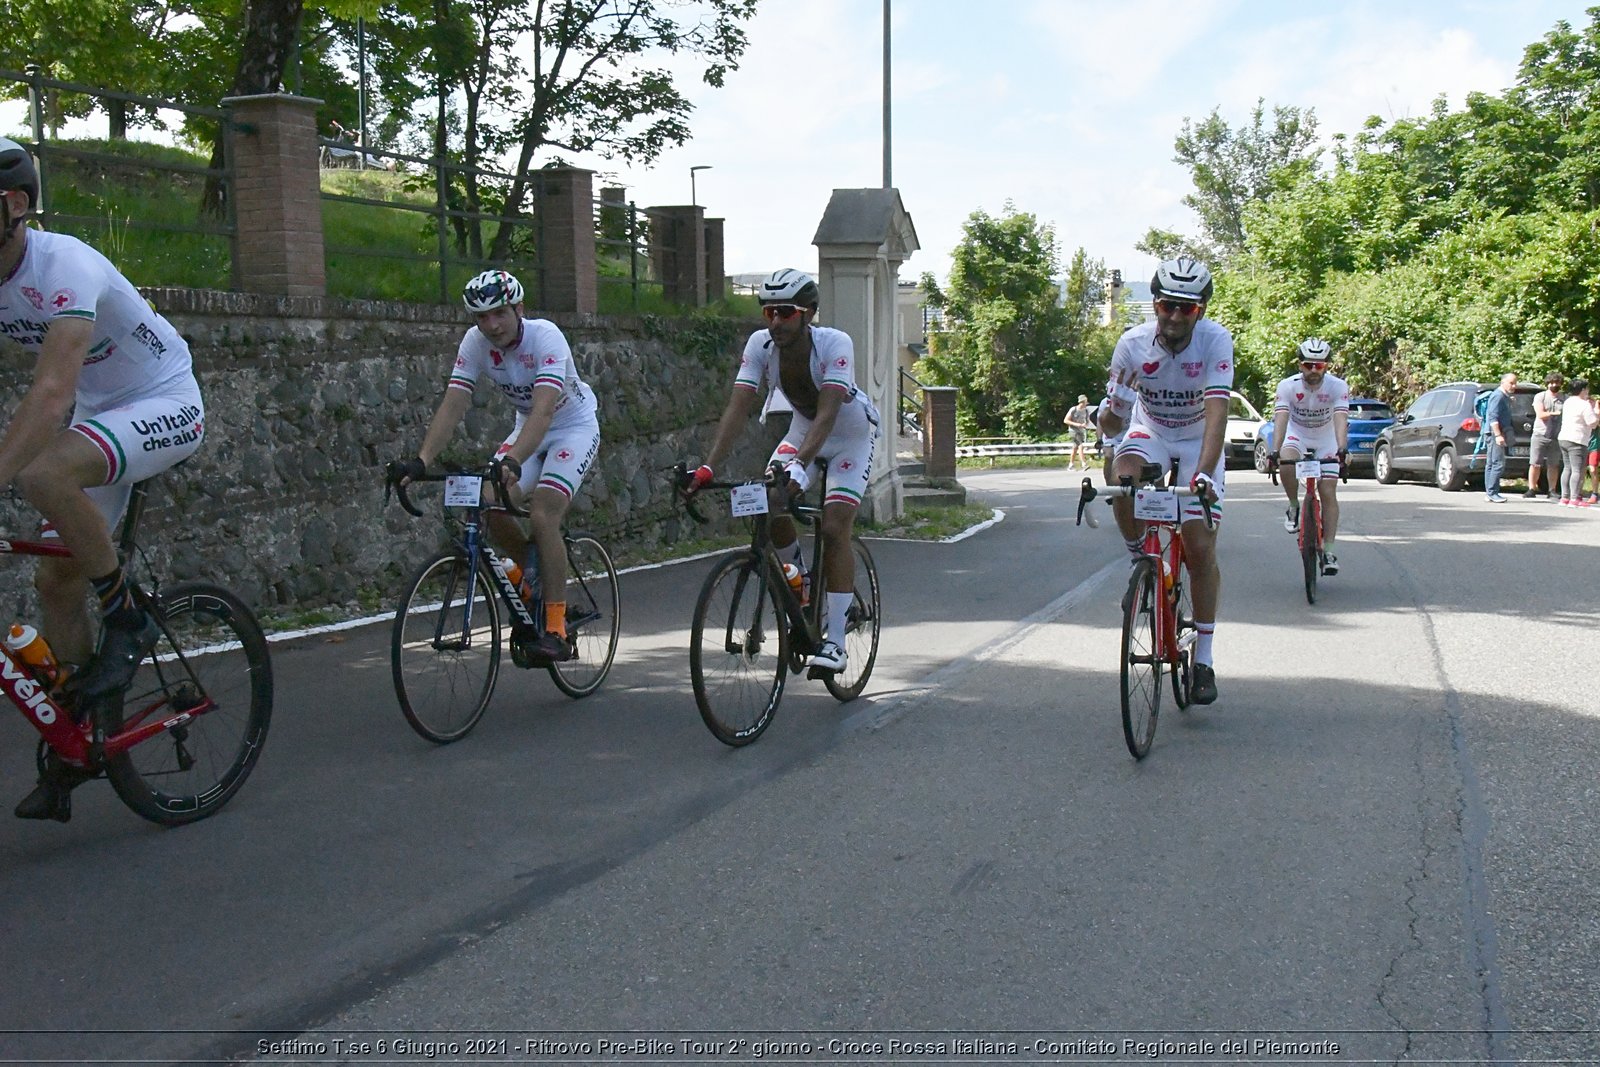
(1379, 837)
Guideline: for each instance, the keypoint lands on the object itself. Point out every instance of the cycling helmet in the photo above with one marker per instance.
(1314, 350)
(789, 286)
(17, 170)
(491, 289)
(1184, 278)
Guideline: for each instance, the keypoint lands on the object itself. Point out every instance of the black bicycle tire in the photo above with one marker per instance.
(133, 784)
(1310, 557)
(397, 647)
(564, 673)
(874, 613)
(1183, 669)
(1142, 593)
(748, 572)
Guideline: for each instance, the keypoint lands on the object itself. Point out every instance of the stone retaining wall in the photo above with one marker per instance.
(307, 398)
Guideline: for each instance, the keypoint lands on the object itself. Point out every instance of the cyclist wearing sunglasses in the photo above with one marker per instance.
(813, 368)
(550, 448)
(1168, 395)
(1310, 419)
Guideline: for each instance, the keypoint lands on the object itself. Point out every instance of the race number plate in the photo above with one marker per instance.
(1154, 505)
(463, 491)
(1307, 468)
(749, 500)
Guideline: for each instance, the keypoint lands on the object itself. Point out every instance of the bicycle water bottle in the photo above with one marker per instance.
(797, 582)
(515, 574)
(1167, 574)
(28, 645)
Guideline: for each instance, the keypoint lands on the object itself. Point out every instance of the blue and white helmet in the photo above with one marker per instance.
(1184, 278)
(491, 289)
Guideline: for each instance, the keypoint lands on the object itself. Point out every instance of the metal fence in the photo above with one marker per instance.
(633, 263)
(177, 235)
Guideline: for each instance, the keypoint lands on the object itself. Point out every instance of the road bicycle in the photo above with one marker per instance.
(1158, 631)
(1309, 537)
(751, 628)
(189, 727)
(447, 640)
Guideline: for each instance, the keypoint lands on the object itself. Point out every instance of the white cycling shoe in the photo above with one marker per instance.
(1291, 519)
(830, 657)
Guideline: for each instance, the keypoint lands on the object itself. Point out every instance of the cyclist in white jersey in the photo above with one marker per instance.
(1168, 394)
(813, 369)
(549, 450)
(124, 375)
(1310, 420)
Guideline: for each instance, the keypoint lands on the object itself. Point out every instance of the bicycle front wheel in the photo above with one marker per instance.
(212, 663)
(738, 650)
(445, 651)
(1310, 551)
(594, 618)
(863, 624)
(1142, 665)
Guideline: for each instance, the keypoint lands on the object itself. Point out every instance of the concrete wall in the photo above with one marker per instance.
(307, 398)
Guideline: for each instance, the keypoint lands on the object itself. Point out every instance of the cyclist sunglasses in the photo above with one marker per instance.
(1309, 365)
(781, 311)
(1180, 307)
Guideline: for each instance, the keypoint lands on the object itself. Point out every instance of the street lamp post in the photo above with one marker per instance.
(702, 166)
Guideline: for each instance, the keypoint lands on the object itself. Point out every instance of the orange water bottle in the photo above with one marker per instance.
(797, 581)
(28, 645)
(515, 573)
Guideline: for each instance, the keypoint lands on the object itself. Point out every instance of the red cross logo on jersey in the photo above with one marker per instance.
(841, 362)
(62, 298)
(845, 464)
(549, 361)
(1224, 365)
(563, 455)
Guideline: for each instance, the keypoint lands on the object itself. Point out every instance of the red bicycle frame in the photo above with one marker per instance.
(72, 741)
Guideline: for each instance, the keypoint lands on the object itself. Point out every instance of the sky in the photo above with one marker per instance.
(1066, 108)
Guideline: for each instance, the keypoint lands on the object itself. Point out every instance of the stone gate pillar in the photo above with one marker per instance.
(277, 194)
(864, 236)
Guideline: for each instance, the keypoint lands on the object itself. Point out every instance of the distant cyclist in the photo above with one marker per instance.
(813, 367)
(1168, 395)
(1311, 420)
(113, 401)
(550, 448)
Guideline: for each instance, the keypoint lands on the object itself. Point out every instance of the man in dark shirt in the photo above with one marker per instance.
(1499, 435)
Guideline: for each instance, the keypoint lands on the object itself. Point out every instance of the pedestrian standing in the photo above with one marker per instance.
(1499, 435)
(1544, 452)
(1077, 421)
(1577, 422)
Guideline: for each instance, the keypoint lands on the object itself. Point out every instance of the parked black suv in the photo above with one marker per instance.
(1437, 437)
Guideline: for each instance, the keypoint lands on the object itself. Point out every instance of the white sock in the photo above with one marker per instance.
(1204, 631)
(838, 616)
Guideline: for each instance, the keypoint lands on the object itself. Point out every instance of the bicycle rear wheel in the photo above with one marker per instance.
(1184, 637)
(738, 650)
(444, 671)
(594, 617)
(861, 630)
(1141, 659)
(211, 661)
(1310, 551)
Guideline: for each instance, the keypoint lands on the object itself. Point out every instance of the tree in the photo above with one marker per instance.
(1017, 347)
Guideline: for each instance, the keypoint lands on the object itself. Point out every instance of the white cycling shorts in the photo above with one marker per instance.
(139, 440)
(848, 451)
(1319, 443)
(1143, 440)
(560, 461)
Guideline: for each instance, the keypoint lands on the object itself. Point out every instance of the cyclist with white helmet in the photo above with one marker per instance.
(551, 445)
(1168, 396)
(1310, 420)
(124, 375)
(813, 368)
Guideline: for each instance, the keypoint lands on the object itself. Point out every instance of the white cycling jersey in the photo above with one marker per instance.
(833, 362)
(1173, 388)
(540, 359)
(1312, 409)
(134, 353)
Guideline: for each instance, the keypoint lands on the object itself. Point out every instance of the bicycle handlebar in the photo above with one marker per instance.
(394, 482)
(1117, 492)
(1342, 459)
(683, 478)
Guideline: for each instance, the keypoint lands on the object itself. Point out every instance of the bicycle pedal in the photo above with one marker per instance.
(815, 674)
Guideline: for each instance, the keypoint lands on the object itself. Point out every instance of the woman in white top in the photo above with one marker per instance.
(1577, 419)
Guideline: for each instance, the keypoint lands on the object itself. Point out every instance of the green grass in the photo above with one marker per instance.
(931, 522)
(980, 463)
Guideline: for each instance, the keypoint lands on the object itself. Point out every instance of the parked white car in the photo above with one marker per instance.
(1243, 419)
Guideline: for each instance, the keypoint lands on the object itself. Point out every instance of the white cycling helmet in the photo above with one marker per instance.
(789, 286)
(1184, 278)
(491, 289)
(1315, 350)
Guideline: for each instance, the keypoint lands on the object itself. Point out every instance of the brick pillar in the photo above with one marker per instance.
(716, 280)
(678, 248)
(939, 431)
(565, 202)
(277, 194)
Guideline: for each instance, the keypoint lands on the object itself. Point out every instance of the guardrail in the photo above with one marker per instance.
(995, 448)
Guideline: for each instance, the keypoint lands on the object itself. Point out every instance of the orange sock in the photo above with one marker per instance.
(555, 617)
